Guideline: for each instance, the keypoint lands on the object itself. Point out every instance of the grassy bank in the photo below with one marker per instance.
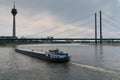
(17, 42)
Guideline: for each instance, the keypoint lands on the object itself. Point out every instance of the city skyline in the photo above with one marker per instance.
(36, 18)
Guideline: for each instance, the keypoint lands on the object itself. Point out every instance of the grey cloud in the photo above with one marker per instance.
(64, 10)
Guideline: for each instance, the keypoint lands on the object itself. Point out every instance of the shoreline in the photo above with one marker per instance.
(15, 44)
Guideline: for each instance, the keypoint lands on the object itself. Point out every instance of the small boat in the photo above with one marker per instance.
(54, 55)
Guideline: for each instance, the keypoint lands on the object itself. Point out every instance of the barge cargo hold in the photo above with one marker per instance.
(51, 55)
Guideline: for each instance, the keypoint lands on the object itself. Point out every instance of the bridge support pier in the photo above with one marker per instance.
(101, 28)
(95, 28)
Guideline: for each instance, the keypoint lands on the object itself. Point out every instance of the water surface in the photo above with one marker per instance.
(88, 62)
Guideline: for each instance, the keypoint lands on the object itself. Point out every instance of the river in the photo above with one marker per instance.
(88, 62)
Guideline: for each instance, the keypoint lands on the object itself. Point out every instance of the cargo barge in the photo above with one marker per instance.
(54, 55)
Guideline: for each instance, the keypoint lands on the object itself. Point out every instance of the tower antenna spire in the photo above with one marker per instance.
(14, 3)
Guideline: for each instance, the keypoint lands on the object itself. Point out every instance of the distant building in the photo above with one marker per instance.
(7, 37)
(48, 40)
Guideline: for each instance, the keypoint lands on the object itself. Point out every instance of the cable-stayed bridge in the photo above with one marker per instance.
(57, 38)
(99, 28)
(92, 27)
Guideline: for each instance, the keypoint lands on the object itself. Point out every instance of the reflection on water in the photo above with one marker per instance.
(15, 66)
(99, 55)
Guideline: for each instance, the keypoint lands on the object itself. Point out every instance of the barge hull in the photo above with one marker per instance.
(42, 56)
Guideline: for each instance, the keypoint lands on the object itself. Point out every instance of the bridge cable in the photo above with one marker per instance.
(72, 28)
(50, 29)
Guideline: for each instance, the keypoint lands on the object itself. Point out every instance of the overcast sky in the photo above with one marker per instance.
(42, 18)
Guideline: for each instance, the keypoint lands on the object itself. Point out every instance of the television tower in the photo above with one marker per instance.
(14, 12)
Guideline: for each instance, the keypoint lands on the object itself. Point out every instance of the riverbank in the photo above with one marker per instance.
(19, 42)
(109, 44)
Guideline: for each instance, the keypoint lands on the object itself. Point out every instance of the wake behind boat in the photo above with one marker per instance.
(54, 55)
